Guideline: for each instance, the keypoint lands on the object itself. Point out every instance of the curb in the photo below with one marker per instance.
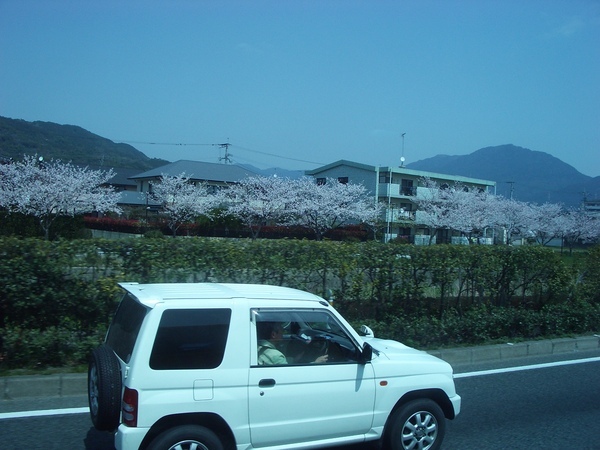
(70, 384)
(499, 352)
(59, 385)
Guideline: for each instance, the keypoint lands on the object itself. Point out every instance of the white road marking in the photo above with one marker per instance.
(44, 412)
(85, 410)
(520, 368)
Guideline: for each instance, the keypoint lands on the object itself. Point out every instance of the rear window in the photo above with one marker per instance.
(125, 327)
(190, 339)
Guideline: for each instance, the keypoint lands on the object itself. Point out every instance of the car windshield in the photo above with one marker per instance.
(327, 327)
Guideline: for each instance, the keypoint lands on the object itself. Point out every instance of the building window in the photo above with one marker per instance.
(321, 181)
(343, 180)
(406, 188)
(384, 178)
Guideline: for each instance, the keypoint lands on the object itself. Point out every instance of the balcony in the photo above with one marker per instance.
(399, 215)
(396, 190)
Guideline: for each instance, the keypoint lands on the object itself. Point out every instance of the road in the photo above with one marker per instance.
(546, 408)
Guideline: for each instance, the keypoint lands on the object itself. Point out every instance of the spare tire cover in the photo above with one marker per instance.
(104, 389)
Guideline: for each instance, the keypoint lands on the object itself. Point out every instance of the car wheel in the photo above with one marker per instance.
(418, 425)
(104, 389)
(187, 437)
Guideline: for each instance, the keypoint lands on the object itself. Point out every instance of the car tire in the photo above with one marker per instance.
(417, 424)
(104, 389)
(187, 437)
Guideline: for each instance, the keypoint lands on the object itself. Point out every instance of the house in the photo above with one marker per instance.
(121, 181)
(397, 189)
(214, 174)
(592, 207)
(135, 187)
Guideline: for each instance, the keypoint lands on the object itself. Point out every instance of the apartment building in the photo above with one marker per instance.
(397, 188)
(592, 207)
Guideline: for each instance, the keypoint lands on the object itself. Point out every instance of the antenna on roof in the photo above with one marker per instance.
(402, 159)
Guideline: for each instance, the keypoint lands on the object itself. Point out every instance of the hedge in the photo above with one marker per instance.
(57, 297)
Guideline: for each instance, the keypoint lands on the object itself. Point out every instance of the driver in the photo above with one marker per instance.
(269, 333)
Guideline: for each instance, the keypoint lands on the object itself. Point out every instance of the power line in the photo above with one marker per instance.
(181, 144)
(278, 156)
(227, 157)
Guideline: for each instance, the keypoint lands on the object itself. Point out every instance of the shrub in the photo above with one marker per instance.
(56, 294)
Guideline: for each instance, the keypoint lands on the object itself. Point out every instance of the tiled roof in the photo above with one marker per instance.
(201, 171)
(123, 177)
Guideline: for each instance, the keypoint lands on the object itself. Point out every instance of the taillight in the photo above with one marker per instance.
(129, 407)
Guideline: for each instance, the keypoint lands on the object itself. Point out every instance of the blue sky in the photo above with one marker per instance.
(296, 84)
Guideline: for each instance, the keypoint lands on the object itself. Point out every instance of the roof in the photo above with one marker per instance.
(151, 294)
(438, 176)
(341, 162)
(122, 177)
(201, 171)
(400, 170)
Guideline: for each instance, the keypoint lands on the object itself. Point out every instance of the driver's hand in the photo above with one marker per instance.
(322, 359)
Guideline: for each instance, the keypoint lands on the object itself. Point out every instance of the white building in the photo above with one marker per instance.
(397, 188)
(592, 207)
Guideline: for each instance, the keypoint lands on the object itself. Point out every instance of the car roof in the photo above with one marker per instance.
(153, 293)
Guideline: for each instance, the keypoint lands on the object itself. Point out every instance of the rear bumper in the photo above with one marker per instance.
(128, 438)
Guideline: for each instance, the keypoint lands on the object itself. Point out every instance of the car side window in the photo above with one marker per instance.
(300, 337)
(123, 333)
(190, 339)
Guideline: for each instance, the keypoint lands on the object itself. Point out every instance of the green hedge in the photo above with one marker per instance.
(57, 297)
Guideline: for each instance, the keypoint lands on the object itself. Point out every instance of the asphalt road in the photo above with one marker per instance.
(546, 408)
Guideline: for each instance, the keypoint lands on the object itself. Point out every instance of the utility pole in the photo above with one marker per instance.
(512, 188)
(227, 157)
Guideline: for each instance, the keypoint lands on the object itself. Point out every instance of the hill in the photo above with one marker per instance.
(69, 143)
(532, 176)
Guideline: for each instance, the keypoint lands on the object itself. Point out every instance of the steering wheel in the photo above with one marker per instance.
(321, 345)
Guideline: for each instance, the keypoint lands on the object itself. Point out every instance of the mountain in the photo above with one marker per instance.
(69, 143)
(532, 176)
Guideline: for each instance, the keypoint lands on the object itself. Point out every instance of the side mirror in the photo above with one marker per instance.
(366, 331)
(367, 353)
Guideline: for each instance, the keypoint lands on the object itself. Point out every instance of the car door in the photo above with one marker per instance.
(302, 400)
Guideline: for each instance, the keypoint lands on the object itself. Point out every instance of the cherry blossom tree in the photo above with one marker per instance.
(182, 200)
(372, 217)
(578, 226)
(47, 190)
(441, 207)
(544, 222)
(509, 215)
(324, 207)
(258, 201)
(468, 210)
(430, 207)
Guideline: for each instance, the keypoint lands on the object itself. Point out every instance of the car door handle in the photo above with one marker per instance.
(266, 382)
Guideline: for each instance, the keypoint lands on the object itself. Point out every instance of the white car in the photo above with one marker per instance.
(211, 366)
